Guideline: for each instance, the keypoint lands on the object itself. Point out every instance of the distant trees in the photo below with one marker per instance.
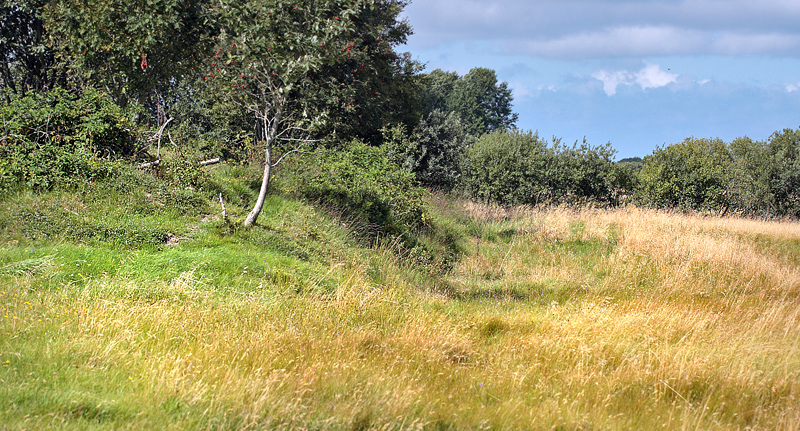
(756, 178)
(513, 167)
(483, 104)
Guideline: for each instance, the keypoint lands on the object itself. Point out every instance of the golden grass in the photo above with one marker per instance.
(580, 319)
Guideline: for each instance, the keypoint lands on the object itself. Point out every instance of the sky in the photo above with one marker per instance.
(636, 73)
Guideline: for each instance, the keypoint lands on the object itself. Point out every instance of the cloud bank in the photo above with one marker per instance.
(578, 29)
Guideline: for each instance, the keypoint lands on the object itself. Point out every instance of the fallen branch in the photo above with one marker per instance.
(158, 162)
(149, 164)
(211, 161)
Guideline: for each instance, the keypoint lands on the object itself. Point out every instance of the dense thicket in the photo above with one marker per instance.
(755, 178)
(50, 138)
(515, 167)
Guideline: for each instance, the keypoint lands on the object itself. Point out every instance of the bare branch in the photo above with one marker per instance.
(160, 131)
(296, 151)
(211, 161)
(224, 212)
(300, 140)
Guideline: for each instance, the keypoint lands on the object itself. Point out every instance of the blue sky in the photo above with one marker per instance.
(636, 73)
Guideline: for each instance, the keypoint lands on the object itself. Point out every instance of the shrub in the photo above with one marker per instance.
(752, 170)
(586, 173)
(511, 167)
(52, 138)
(433, 152)
(784, 149)
(694, 174)
(364, 185)
(508, 167)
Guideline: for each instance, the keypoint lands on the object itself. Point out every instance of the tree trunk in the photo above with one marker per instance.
(262, 194)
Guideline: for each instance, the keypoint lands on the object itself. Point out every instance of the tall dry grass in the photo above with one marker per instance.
(555, 319)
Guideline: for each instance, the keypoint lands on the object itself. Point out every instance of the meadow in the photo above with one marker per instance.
(545, 318)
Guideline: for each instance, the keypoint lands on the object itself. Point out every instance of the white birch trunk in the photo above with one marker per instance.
(262, 194)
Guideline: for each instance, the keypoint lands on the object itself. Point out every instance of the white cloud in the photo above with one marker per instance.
(520, 91)
(613, 79)
(730, 43)
(650, 76)
(793, 87)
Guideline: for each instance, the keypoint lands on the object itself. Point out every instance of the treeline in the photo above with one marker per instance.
(511, 167)
(753, 178)
(84, 83)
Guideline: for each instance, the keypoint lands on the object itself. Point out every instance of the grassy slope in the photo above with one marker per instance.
(625, 319)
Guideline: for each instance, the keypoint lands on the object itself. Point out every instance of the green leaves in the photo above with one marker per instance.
(483, 104)
(52, 138)
(131, 47)
(366, 186)
(691, 175)
(514, 167)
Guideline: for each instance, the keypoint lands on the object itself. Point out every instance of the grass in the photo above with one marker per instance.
(545, 319)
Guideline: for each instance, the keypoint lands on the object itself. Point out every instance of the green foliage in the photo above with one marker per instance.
(292, 64)
(131, 47)
(436, 88)
(434, 151)
(508, 167)
(784, 147)
(483, 104)
(386, 82)
(365, 187)
(514, 167)
(691, 175)
(754, 178)
(587, 173)
(53, 138)
(635, 163)
(753, 168)
(26, 60)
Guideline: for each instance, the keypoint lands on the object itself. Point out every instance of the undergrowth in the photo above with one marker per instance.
(122, 306)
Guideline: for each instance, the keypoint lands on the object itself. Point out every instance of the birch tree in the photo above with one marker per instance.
(286, 62)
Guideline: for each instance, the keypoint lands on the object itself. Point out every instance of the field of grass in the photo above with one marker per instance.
(548, 319)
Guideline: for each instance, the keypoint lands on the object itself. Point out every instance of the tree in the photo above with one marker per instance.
(129, 47)
(784, 147)
(437, 86)
(434, 151)
(26, 60)
(483, 104)
(287, 63)
(693, 175)
(385, 83)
